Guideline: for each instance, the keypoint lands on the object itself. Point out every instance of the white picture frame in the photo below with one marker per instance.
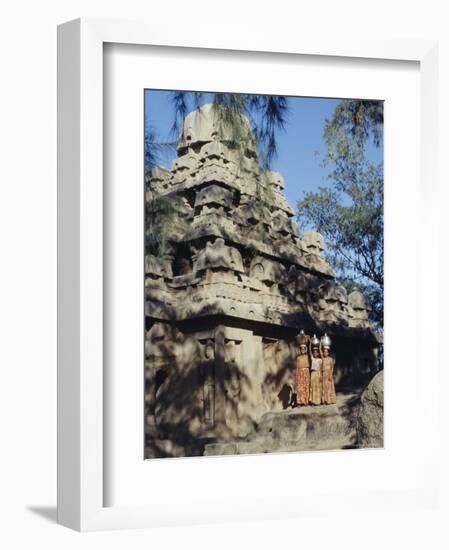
(81, 490)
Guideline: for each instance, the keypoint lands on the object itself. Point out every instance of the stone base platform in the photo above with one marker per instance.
(311, 428)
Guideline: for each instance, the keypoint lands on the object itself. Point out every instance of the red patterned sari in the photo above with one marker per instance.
(302, 379)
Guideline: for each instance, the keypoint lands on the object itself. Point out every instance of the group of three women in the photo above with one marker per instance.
(314, 371)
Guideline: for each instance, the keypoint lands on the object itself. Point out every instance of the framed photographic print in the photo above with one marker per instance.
(243, 318)
(229, 332)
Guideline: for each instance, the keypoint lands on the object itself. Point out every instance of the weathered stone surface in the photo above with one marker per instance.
(157, 267)
(304, 429)
(370, 418)
(359, 309)
(215, 151)
(159, 177)
(250, 212)
(313, 242)
(214, 194)
(267, 270)
(333, 303)
(275, 179)
(218, 255)
(206, 125)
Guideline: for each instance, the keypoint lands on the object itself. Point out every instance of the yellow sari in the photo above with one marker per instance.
(315, 381)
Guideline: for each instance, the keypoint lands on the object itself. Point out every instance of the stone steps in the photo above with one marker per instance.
(312, 428)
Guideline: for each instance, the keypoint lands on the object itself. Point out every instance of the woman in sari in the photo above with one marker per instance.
(329, 397)
(302, 371)
(315, 374)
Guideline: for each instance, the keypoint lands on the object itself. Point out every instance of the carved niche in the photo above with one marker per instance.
(267, 271)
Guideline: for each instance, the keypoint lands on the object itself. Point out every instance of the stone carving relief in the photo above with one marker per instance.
(215, 150)
(282, 224)
(248, 166)
(182, 207)
(305, 290)
(333, 303)
(185, 163)
(275, 179)
(214, 195)
(157, 267)
(312, 244)
(218, 255)
(250, 212)
(358, 310)
(184, 167)
(279, 201)
(205, 125)
(267, 271)
(160, 365)
(159, 179)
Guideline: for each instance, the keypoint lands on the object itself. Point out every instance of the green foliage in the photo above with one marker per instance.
(353, 123)
(162, 218)
(162, 222)
(155, 150)
(349, 214)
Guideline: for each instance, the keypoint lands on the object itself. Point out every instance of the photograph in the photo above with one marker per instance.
(230, 222)
(264, 275)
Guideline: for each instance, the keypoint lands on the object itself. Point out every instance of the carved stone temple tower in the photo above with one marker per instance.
(225, 302)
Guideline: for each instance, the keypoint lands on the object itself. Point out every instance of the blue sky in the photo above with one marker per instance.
(300, 146)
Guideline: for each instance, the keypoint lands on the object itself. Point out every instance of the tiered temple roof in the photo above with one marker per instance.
(236, 251)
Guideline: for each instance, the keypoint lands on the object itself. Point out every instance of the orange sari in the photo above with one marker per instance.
(329, 396)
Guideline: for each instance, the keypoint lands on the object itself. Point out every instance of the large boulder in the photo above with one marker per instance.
(370, 418)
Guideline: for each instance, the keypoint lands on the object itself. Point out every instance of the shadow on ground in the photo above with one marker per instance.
(47, 512)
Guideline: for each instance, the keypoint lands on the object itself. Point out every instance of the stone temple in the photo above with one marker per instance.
(236, 286)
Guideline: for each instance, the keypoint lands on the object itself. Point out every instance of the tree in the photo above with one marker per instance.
(349, 213)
